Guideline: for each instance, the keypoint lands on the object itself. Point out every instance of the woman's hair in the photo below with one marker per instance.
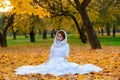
(62, 33)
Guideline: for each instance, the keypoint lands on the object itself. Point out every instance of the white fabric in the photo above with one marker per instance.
(57, 64)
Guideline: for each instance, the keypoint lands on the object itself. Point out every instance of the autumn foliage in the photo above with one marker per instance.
(27, 7)
(15, 56)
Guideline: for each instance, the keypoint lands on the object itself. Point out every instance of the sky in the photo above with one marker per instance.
(7, 7)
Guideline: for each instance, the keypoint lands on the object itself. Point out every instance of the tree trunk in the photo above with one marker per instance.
(14, 33)
(44, 34)
(94, 42)
(52, 33)
(3, 40)
(32, 36)
(14, 36)
(102, 32)
(108, 29)
(98, 31)
(81, 33)
(39, 32)
(114, 30)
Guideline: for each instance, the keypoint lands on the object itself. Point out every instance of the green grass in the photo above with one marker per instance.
(21, 40)
(73, 39)
(109, 40)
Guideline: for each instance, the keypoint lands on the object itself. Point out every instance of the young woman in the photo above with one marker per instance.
(57, 63)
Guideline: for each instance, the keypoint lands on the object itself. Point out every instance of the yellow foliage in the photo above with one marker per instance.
(15, 56)
(2, 4)
(26, 6)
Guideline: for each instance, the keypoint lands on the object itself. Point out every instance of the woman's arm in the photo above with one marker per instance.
(67, 52)
(51, 52)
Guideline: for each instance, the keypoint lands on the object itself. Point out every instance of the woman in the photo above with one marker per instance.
(57, 63)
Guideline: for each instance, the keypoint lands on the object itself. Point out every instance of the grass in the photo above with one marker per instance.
(73, 39)
(109, 40)
(21, 40)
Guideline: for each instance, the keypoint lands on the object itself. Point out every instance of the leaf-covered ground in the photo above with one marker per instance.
(107, 58)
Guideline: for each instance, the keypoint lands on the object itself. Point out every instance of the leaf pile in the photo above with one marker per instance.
(107, 58)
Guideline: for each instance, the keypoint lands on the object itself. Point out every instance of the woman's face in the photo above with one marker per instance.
(59, 37)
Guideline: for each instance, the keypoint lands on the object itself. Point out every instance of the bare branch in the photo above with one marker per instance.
(78, 6)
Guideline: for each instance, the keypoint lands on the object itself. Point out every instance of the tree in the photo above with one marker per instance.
(108, 12)
(114, 30)
(60, 8)
(19, 7)
(108, 29)
(27, 7)
(32, 35)
(52, 33)
(14, 33)
(3, 32)
(81, 7)
(44, 34)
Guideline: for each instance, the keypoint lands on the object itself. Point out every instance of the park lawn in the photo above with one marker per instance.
(22, 52)
(109, 40)
(73, 40)
(21, 40)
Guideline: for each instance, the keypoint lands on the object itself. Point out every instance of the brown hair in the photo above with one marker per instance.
(62, 33)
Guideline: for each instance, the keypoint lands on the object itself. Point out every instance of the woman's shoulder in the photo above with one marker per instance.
(67, 44)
